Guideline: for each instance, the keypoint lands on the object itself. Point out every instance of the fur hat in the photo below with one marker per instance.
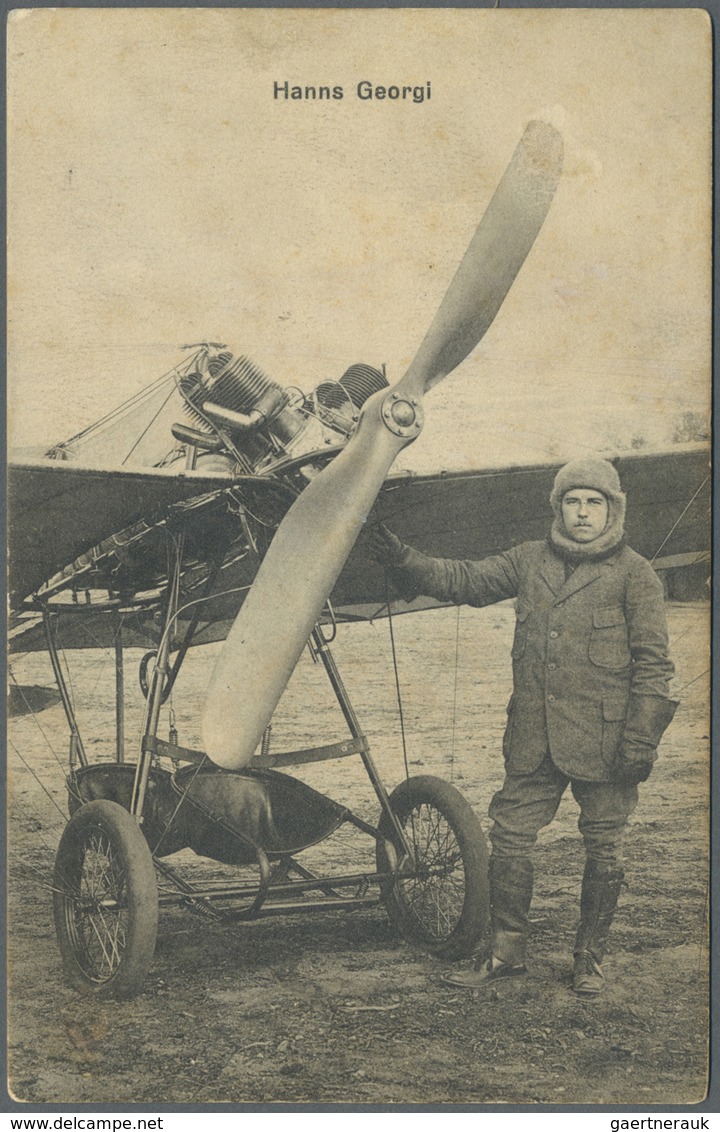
(591, 473)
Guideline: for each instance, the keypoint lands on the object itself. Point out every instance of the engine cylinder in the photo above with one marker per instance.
(361, 381)
(235, 383)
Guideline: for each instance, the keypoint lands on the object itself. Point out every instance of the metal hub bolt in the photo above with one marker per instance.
(403, 417)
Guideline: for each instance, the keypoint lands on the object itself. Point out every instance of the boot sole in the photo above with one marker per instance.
(468, 983)
(582, 992)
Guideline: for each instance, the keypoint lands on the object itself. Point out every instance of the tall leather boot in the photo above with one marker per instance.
(598, 900)
(511, 886)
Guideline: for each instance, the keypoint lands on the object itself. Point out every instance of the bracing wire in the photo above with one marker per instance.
(398, 693)
(39, 873)
(396, 671)
(25, 862)
(120, 410)
(693, 681)
(35, 719)
(680, 517)
(148, 426)
(181, 609)
(39, 782)
(181, 799)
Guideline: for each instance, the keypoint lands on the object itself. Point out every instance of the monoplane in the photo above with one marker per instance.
(219, 505)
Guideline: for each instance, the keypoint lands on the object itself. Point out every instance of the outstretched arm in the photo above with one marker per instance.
(446, 579)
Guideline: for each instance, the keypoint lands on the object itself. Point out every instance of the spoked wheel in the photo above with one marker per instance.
(105, 901)
(443, 904)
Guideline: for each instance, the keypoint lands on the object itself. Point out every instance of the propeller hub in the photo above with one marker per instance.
(403, 417)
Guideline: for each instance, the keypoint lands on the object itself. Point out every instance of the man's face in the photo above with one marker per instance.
(585, 513)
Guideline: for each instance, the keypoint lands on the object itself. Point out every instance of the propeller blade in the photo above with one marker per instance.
(316, 536)
(495, 254)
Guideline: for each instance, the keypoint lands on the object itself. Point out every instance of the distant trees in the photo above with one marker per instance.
(691, 425)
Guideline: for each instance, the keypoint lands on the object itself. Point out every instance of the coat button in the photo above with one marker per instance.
(552, 666)
(554, 633)
(551, 698)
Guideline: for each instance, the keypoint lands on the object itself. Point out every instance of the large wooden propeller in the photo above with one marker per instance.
(316, 536)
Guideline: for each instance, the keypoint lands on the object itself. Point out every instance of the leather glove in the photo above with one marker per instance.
(645, 723)
(384, 546)
(634, 762)
(648, 717)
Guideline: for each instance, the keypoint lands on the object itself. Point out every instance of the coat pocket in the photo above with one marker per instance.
(614, 712)
(608, 645)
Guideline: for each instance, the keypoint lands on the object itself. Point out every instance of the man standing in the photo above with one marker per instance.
(589, 704)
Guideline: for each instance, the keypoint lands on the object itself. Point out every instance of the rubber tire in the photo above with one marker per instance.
(470, 916)
(125, 853)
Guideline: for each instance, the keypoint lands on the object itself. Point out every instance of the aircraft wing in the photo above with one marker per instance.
(455, 515)
(57, 510)
(474, 514)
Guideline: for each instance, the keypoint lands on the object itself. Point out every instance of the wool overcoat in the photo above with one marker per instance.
(582, 645)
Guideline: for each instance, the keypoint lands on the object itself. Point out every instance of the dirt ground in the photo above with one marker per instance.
(332, 1008)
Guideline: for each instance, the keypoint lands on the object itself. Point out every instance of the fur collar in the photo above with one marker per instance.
(603, 546)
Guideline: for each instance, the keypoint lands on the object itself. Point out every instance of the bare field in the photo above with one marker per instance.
(331, 1008)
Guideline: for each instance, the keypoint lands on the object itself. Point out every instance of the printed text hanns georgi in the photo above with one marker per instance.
(364, 90)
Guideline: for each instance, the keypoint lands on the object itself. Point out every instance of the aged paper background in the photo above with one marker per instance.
(160, 194)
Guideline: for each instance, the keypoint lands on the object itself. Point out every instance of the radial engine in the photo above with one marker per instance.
(237, 417)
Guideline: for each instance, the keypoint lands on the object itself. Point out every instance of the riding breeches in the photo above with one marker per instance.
(527, 802)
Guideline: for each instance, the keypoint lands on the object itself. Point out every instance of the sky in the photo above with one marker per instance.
(160, 194)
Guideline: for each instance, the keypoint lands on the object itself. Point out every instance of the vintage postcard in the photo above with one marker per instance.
(359, 383)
